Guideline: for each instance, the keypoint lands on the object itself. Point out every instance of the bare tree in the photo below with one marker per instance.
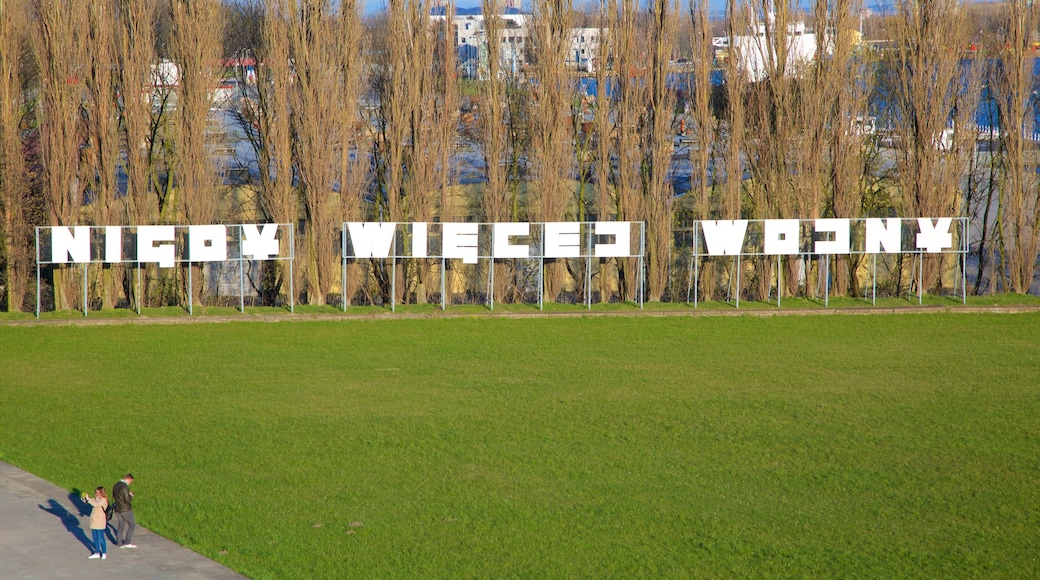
(196, 47)
(630, 53)
(1013, 90)
(550, 195)
(843, 80)
(932, 88)
(735, 126)
(603, 142)
(270, 134)
(354, 175)
(496, 199)
(108, 208)
(60, 45)
(658, 134)
(704, 126)
(316, 134)
(15, 230)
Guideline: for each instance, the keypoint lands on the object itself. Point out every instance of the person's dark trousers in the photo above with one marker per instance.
(125, 525)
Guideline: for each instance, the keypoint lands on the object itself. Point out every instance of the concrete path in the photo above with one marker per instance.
(43, 535)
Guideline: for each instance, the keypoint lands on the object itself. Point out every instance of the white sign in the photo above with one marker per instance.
(831, 236)
(468, 241)
(162, 245)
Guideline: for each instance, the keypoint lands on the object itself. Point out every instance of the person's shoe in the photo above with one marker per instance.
(104, 556)
(93, 556)
(128, 546)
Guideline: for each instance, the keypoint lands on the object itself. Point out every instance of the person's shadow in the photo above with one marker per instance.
(69, 519)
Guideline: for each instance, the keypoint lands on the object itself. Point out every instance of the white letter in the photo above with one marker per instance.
(113, 244)
(371, 239)
(562, 239)
(781, 237)
(887, 232)
(934, 239)
(147, 251)
(501, 233)
(259, 244)
(207, 243)
(622, 246)
(71, 244)
(419, 240)
(724, 237)
(841, 243)
(459, 240)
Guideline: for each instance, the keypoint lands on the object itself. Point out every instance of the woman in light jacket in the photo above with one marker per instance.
(98, 522)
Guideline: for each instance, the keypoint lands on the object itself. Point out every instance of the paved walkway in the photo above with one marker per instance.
(45, 536)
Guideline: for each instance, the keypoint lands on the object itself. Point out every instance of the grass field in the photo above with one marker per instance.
(851, 446)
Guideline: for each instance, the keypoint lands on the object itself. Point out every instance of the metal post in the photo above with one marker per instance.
(643, 252)
(964, 262)
(491, 278)
(191, 306)
(139, 288)
(393, 278)
(292, 263)
(738, 281)
(964, 279)
(38, 272)
(827, 281)
(779, 281)
(241, 276)
(343, 264)
(444, 274)
(541, 270)
(873, 288)
(696, 268)
(85, 267)
(920, 278)
(588, 272)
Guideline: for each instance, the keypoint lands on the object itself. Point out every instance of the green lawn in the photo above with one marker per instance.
(852, 446)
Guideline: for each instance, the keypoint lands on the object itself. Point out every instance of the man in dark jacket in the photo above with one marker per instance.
(124, 513)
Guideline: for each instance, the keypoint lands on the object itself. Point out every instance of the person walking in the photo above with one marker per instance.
(98, 522)
(124, 513)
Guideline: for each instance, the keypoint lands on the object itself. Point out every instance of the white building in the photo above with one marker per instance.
(514, 38)
(584, 48)
(753, 52)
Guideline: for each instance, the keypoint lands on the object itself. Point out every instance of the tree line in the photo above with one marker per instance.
(366, 117)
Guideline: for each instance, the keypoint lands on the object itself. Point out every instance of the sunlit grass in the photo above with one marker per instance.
(865, 446)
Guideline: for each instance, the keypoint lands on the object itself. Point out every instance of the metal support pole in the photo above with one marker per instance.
(779, 281)
(191, 310)
(241, 280)
(873, 288)
(444, 274)
(393, 278)
(696, 269)
(737, 288)
(920, 279)
(38, 273)
(139, 288)
(588, 273)
(827, 281)
(343, 264)
(85, 268)
(541, 270)
(643, 253)
(964, 279)
(292, 263)
(541, 281)
(491, 277)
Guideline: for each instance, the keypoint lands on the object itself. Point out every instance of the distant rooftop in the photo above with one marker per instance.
(475, 11)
